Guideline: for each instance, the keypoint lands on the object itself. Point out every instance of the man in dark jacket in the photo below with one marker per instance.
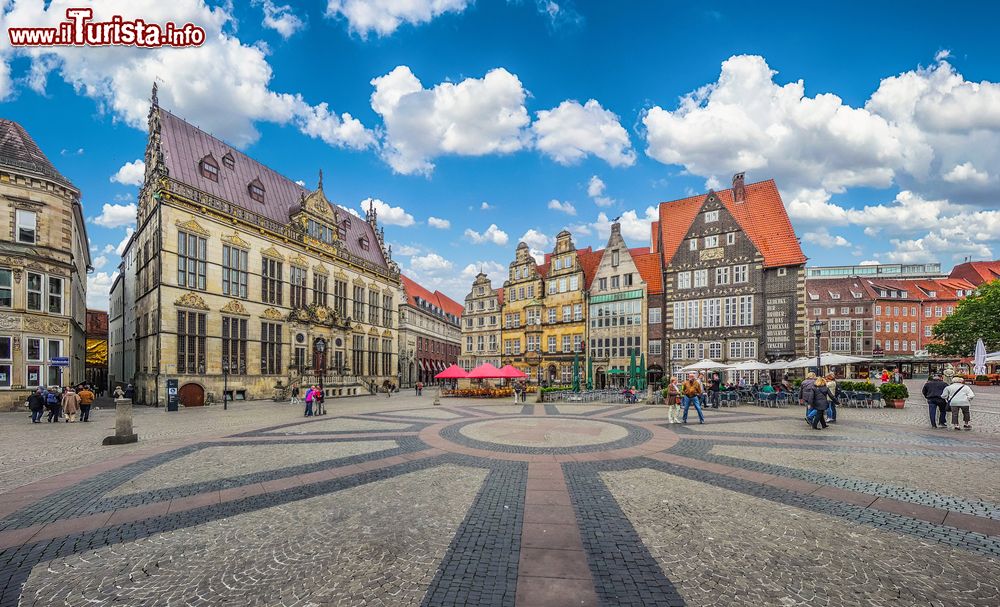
(36, 404)
(935, 402)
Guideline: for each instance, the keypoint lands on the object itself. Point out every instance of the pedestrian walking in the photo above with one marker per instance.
(52, 399)
(295, 396)
(310, 397)
(71, 405)
(129, 392)
(959, 397)
(692, 392)
(715, 392)
(86, 402)
(937, 407)
(36, 404)
(831, 385)
(673, 402)
(319, 401)
(817, 397)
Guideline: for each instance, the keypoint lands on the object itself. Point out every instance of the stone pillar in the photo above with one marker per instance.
(123, 424)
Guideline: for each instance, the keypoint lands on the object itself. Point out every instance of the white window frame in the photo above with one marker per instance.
(684, 280)
(21, 217)
(711, 216)
(731, 238)
(700, 279)
(711, 241)
(693, 244)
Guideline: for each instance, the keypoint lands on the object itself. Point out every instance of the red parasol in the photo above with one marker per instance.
(485, 371)
(509, 372)
(452, 372)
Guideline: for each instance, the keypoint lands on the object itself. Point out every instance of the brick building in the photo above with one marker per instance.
(429, 333)
(846, 307)
(905, 312)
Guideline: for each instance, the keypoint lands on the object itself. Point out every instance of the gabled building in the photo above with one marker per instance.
(481, 325)
(905, 312)
(616, 312)
(649, 267)
(246, 281)
(733, 276)
(977, 272)
(522, 314)
(563, 320)
(429, 333)
(846, 308)
(44, 260)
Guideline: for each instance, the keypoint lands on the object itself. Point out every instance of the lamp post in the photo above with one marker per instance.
(817, 326)
(225, 383)
(319, 345)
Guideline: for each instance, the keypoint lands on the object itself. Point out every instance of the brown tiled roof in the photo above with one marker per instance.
(821, 292)
(648, 265)
(589, 260)
(499, 296)
(20, 152)
(977, 272)
(762, 216)
(184, 145)
(414, 289)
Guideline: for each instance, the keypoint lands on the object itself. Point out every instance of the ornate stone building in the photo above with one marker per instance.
(243, 276)
(521, 334)
(616, 312)
(44, 260)
(429, 333)
(481, 322)
(733, 277)
(563, 318)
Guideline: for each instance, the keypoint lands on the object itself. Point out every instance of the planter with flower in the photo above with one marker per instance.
(894, 395)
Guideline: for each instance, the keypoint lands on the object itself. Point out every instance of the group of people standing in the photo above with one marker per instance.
(819, 395)
(942, 397)
(314, 399)
(691, 392)
(61, 403)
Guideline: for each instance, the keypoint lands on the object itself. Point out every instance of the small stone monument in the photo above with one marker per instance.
(123, 424)
(437, 396)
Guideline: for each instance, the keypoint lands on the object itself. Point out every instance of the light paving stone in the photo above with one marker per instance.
(544, 432)
(720, 547)
(425, 413)
(337, 424)
(378, 544)
(214, 463)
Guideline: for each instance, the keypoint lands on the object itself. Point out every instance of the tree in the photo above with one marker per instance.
(975, 317)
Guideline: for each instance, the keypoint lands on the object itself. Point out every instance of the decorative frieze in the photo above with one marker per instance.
(191, 300)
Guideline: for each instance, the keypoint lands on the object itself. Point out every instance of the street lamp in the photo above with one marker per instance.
(817, 325)
(225, 383)
(320, 346)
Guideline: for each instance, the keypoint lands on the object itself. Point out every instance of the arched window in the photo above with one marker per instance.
(209, 168)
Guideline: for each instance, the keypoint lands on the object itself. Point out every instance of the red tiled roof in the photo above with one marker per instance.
(977, 272)
(762, 216)
(821, 292)
(500, 296)
(437, 298)
(589, 262)
(648, 265)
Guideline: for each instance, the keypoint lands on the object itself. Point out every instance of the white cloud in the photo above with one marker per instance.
(389, 215)
(300, 183)
(485, 206)
(437, 222)
(222, 86)
(635, 229)
(967, 173)
(936, 246)
(116, 215)
(474, 117)
(121, 246)
(432, 263)
(570, 132)
(562, 207)
(495, 271)
(927, 130)
(406, 250)
(493, 234)
(99, 289)
(536, 240)
(108, 248)
(130, 173)
(280, 18)
(383, 17)
(595, 189)
(823, 238)
(868, 262)
(99, 262)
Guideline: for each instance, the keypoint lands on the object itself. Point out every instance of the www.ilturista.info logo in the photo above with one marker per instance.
(79, 29)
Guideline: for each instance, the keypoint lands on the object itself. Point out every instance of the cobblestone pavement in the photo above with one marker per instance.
(398, 502)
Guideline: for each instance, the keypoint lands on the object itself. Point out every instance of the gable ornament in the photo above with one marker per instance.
(192, 226)
(271, 314)
(235, 307)
(235, 240)
(191, 300)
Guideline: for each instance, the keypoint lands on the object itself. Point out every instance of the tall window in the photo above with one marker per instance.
(722, 275)
(6, 288)
(6, 357)
(270, 281)
(297, 280)
(746, 310)
(340, 297)
(34, 286)
(190, 342)
(387, 311)
(234, 345)
(684, 280)
(386, 355)
(27, 226)
(358, 313)
(234, 272)
(319, 289)
(741, 273)
(320, 231)
(373, 308)
(270, 348)
(373, 357)
(358, 354)
(191, 255)
(700, 278)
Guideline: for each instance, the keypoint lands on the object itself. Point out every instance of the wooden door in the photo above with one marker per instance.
(192, 395)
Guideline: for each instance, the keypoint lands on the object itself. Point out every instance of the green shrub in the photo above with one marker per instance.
(894, 392)
(797, 383)
(856, 386)
(556, 389)
(982, 378)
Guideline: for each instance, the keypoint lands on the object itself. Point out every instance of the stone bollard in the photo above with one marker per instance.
(437, 396)
(123, 424)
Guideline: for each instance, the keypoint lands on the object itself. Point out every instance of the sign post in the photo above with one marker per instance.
(173, 398)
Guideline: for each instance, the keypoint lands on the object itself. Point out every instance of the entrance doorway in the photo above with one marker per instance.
(191, 395)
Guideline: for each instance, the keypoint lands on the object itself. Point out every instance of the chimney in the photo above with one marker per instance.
(739, 192)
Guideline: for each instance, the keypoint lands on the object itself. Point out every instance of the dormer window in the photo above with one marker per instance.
(209, 168)
(364, 242)
(256, 190)
(228, 161)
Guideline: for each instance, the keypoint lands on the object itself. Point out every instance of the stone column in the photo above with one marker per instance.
(123, 424)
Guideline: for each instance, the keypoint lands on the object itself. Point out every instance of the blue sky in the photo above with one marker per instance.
(511, 120)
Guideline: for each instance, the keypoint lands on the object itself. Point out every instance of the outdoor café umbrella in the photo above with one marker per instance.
(452, 372)
(576, 371)
(631, 370)
(590, 373)
(642, 371)
(802, 363)
(979, 360)
(829, 358)
(509, 372)
(704, 365)
(485, 371)
(750, 365)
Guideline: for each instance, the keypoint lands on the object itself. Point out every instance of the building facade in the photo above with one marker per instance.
(616, 313)
(649, 267)
(977, 272)
(876, 270)
(733, 277)
(563, 316)
(846, 309)
(481, 325)
(121, 324)
(44, 260)
(521, 334)
(429, 333)
(96, 372)
(905, 312)
(246, 282)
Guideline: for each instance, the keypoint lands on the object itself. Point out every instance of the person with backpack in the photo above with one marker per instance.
(86, 402)
(36, 404)
(932, 391)
(959, 397)
(52, 404)
(71, 405)
(692, 392)
(817, 398)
